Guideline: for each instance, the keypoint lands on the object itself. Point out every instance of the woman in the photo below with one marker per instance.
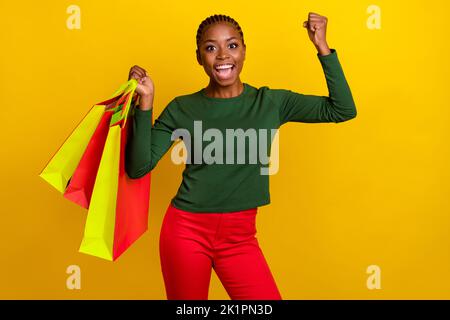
(210, 223)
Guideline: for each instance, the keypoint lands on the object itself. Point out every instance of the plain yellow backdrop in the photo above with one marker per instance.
(370, 191)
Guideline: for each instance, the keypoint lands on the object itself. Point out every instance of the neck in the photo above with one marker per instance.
(214, 90)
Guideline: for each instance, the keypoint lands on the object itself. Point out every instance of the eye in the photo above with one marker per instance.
(233, 45)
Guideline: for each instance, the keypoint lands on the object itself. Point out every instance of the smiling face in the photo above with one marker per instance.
(221, 52)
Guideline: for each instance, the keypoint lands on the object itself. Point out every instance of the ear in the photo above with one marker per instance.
(245, 49)
(199, 58)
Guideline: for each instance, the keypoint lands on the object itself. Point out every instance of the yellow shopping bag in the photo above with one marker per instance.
(99, 228)
(118, 212)
(62, 165)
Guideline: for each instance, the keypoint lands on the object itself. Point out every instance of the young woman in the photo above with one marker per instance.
(210, 223)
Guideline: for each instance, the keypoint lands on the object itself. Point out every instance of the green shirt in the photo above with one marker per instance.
(225, 187)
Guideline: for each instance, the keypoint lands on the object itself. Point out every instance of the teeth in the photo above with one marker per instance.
(224, 66)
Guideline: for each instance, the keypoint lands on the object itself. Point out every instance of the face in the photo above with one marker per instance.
(221, 53)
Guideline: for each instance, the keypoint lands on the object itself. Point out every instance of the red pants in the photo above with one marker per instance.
(191, 244)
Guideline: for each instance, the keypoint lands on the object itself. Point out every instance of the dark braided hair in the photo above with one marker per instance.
(214, 19)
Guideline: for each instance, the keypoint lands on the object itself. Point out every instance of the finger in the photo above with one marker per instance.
(135, 75)
(141, 70)
(317, 24)
(143, 74)
(317, 21)
(320, 23)
(313, 14)
(321, 20)
(139, 73)
(136, 69)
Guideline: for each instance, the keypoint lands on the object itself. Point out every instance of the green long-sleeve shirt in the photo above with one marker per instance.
(211, 185)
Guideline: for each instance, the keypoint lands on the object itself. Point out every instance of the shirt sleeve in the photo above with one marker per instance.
(147, 143)
(337, 107)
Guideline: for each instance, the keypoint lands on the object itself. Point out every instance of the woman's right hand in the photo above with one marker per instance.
(145, 87)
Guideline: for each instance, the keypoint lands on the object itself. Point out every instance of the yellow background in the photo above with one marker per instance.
(370, 191)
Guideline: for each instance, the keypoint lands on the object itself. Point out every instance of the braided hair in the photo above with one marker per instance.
(215, 19)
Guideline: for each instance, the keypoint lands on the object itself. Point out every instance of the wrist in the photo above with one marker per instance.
(145, 107)
(323, 49)
(146, 102)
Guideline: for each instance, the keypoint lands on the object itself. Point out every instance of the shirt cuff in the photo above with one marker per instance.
(142, 113)
(331, 55)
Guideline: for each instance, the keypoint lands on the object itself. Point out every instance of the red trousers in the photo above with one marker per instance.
(191, 244)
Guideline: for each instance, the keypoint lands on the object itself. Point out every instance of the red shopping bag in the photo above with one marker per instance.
(79, 189)
(132, 203)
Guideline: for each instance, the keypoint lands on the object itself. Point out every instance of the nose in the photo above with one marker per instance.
(222, 54)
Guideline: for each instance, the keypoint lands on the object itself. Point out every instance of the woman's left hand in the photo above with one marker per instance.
(317, 28)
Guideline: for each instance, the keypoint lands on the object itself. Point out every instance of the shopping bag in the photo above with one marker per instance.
(118, 209)
(81, 185)
(61, 166)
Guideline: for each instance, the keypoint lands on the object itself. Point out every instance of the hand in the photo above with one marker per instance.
(145, 87)
(317, 28)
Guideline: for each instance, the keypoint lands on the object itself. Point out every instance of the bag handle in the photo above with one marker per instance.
(126, 91)
(127, 86)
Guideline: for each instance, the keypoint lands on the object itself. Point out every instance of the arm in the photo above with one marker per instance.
(337, 107)
(146, 143)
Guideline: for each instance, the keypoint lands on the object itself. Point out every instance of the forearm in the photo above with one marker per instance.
(139, 155)
(340, 96)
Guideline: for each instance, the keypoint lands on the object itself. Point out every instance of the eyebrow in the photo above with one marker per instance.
(210, 40)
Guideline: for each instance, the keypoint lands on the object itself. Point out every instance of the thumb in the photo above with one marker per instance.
(305, 24)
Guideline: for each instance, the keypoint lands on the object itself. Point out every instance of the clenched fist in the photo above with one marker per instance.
(145, 87)
(317, 28)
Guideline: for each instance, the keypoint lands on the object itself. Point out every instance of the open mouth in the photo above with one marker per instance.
(225, 70)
